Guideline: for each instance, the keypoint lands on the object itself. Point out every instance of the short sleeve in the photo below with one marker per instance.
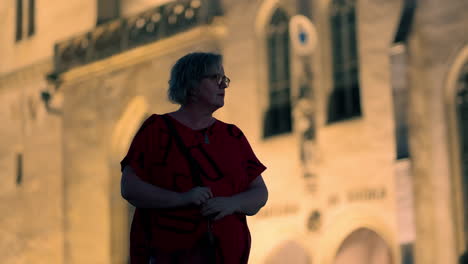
(139, 150)
(253, 166)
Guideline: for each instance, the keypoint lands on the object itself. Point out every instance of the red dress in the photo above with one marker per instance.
(228, 166)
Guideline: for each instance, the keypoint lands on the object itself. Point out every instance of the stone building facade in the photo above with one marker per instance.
(365, 138)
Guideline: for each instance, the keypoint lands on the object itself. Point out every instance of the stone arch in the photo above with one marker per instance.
(288, 251)
(121, 212)
(363, 246)
(355, 218)
(264, 14)
(454, 142)
(126, 127)
(262, 20)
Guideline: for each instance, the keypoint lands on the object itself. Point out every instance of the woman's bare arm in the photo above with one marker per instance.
(253, 199)
(144, 195)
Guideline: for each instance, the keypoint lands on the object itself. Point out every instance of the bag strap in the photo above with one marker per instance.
(194, 166)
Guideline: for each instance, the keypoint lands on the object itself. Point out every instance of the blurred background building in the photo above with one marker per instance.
(364, 132)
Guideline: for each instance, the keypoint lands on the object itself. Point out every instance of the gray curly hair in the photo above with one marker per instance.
(187, 73)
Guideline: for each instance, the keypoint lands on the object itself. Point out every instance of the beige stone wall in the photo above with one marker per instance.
(130, 7)
(436, 41)
(68, 208)
(55, 20)
(31, 226)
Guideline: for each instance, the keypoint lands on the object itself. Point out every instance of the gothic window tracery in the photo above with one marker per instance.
(344, 99)
(278, 115)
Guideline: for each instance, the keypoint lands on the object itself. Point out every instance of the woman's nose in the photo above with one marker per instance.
(223, 85)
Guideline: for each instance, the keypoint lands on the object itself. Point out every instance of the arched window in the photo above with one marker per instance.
(462, 115)
(278, 115)
(344, 100)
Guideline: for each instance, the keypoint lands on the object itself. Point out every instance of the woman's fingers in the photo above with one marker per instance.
(205, 194)
(220, 215)
(198, 195)
(212, 207)
(207, 209)
(207, 212)
(202, 194)
(219, 207)
(208, 190)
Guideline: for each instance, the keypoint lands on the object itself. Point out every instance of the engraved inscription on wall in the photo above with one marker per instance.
(366, 194)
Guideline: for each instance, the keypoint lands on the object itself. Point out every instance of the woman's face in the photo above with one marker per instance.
(210, 93)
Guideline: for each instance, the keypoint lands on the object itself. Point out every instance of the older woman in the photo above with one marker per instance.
(192, 178)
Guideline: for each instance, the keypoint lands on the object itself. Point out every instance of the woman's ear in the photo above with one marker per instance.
(193, 91)
(194, 88)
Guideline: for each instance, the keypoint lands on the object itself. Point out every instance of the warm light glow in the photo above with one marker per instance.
(361, 134)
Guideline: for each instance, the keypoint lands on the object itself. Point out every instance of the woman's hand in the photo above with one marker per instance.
(197, 195)
(219, 207)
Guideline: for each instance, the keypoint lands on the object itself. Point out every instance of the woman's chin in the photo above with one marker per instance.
(219, 103)
(218, 106)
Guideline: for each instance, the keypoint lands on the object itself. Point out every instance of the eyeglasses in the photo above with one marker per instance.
(219, 79)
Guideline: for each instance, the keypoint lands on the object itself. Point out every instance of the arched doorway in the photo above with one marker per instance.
(457, 115)
(461, 102)
(135, 113)
(288, 252)
(363, 246)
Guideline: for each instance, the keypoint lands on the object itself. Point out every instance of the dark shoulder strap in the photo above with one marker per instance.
(194, 166)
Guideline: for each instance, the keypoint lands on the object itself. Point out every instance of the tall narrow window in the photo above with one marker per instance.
(399, 69)
(19, 168)
(344, 100)
(278, 115)
(19, 20)
(25, 19)
(31, 17)
(399, 73)
(462, 112)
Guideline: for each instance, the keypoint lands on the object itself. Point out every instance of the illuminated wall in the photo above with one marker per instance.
(335, 179)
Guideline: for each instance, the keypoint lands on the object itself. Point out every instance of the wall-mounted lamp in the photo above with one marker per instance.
(47, 95)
